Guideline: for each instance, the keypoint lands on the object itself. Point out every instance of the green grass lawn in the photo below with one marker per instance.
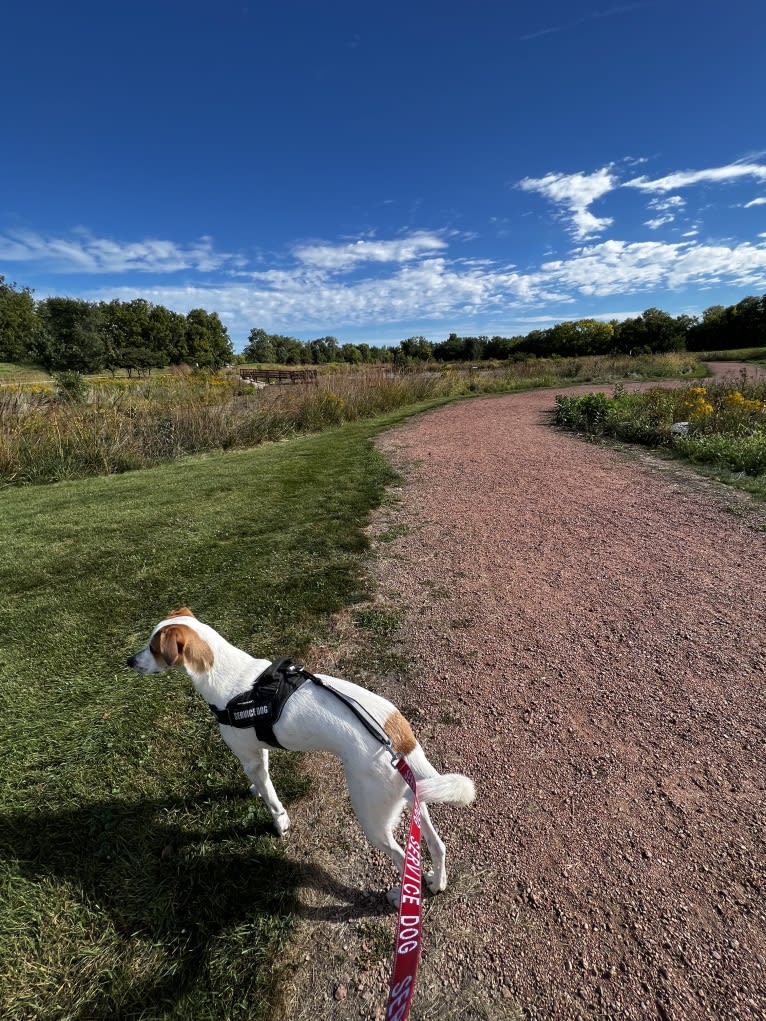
(743, 354)
(12, 372)
(137, 878)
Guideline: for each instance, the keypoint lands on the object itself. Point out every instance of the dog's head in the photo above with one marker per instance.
(175, 642)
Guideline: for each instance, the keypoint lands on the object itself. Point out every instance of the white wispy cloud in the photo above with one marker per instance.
(671, 203)
(439, 289)
(422, 276)
(575, 193)
(84, 253)
(596, 15)
(667, 208)
(712, 175)
(659, 221)
(622, 267)
(347, 256)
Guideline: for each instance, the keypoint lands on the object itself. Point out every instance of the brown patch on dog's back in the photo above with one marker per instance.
(400, 732)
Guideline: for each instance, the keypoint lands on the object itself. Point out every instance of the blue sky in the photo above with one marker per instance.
(379, 171)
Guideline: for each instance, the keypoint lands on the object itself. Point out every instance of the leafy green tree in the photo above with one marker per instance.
(653, 330)
(748, 322)
(416, 349)
(288, 350)
(350, 353)
(167, 335)
(123, 326)
(18, 322)
(207, 340)
(450, 350)
(142, 360)
(259, 346)
(69, 337)
(581, 337)
(324, 350)
(501, 347)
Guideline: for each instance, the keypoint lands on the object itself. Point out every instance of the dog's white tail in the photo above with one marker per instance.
(433, 788)
(450, 789)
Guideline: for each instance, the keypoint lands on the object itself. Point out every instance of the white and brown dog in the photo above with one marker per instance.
(313, 719)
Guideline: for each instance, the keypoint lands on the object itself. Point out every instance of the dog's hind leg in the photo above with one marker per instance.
(436, 879)
(377, 806)
(256, 765)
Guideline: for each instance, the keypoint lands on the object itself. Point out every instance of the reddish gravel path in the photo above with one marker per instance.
(596, 625)
(585, 634)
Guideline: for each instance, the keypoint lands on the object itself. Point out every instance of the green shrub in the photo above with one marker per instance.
(726, 423)
(588, 413)
(736, 452)
(70, 386)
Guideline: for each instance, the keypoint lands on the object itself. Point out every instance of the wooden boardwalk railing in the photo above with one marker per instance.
(280, 377)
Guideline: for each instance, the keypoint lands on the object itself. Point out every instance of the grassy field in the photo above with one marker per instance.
(743, 354)
(138, 878)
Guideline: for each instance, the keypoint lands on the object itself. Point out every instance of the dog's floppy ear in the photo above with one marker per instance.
(183, 612)
(168, 644)
(178, 645)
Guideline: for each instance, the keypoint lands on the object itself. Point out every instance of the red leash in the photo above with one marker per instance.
(409, 928)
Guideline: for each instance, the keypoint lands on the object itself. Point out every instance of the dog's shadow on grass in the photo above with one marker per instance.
(194, 877)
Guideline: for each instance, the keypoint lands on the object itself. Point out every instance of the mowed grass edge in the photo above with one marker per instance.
(138, 879)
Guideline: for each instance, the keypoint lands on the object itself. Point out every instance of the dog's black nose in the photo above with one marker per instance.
(132, 662)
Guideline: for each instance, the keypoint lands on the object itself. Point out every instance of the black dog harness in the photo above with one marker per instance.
(261, 706)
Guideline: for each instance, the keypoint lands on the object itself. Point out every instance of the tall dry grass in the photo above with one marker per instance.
(125, 425)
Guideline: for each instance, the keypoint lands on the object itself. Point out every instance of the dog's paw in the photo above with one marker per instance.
(282, 823)
(393, 896)
(435, 883)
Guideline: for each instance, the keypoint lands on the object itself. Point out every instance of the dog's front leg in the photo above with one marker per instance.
(256, 765)
(255, 762)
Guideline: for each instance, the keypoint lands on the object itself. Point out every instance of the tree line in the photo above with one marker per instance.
(719, 328)
(69, 334)
(73, 334)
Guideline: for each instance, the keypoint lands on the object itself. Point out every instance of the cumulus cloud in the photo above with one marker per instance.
(755, 202)
(576, 193)
(83, 253)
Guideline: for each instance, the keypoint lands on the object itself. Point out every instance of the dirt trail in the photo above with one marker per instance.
(586, 638)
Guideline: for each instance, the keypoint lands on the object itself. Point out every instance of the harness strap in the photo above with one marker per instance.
(261, 706)
(369, 722)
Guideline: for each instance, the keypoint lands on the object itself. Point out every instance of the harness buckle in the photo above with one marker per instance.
(395, 756)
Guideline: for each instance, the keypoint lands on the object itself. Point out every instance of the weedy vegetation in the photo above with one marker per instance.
(72, 427)
(721, 427)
